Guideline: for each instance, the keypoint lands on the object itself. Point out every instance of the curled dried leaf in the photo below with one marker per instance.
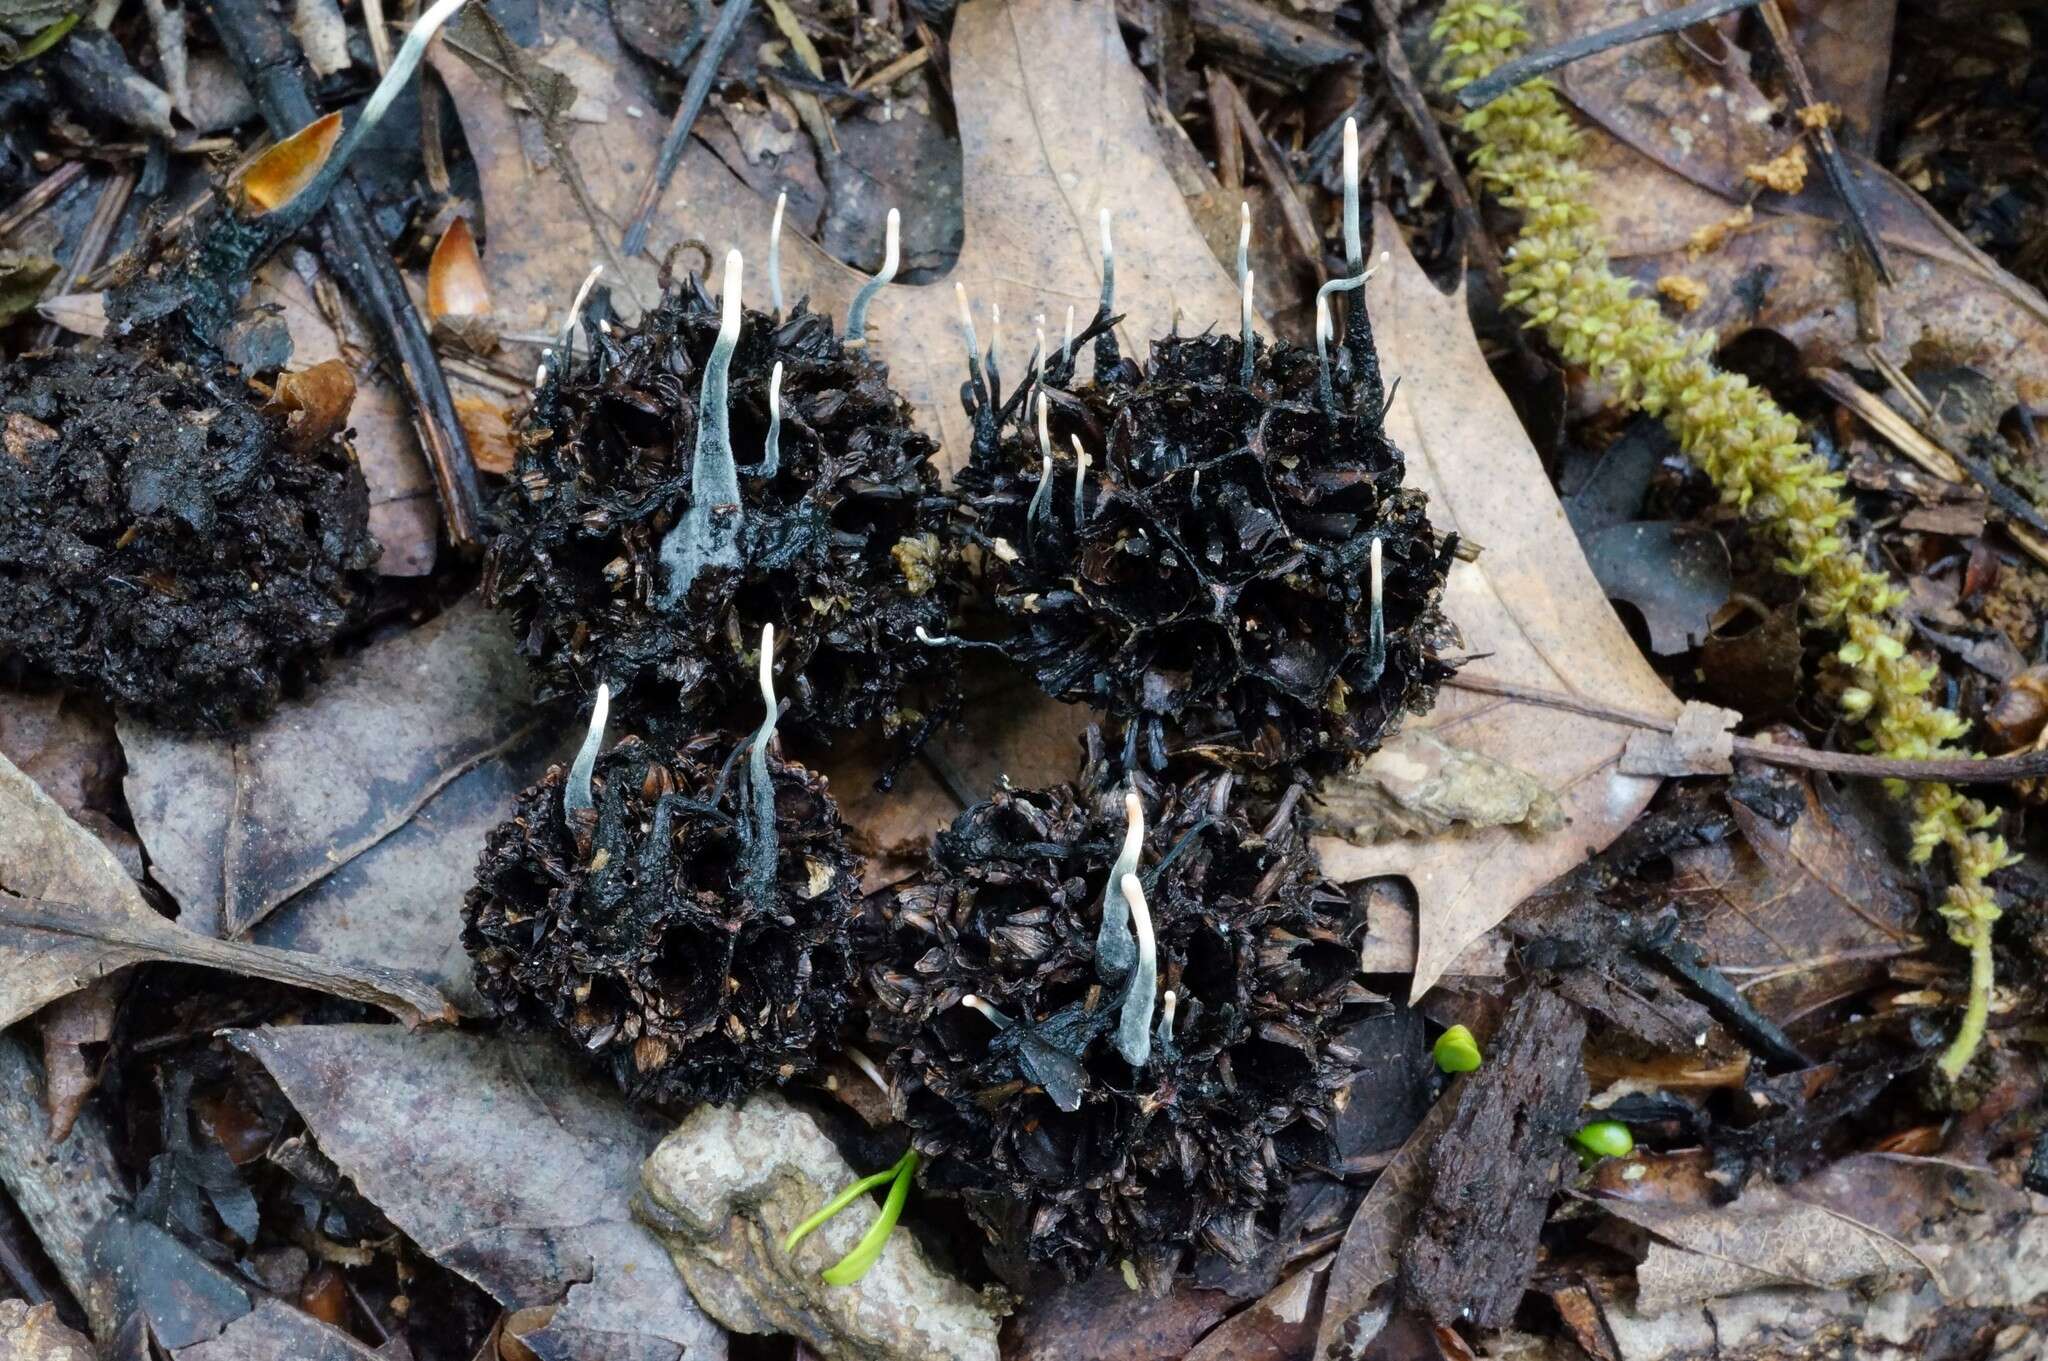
(275, 178)
(315, 402)
(455, 276)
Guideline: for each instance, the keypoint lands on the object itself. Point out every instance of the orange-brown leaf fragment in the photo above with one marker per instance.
(489, 433)
(276, 177)
(316, 402)
(455, 276)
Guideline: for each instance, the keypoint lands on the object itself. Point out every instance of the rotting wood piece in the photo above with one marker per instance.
(1492, 1172)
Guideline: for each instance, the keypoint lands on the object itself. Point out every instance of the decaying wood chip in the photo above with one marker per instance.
(1501, 1157)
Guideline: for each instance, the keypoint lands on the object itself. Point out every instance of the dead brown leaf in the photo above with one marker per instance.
(1529, 606)
(1279, 1327)
(316, 401)
(69, 1024)
(1802, 915)
(1359, 1298)
(506, 1162)
(274, 1329)
(34, 1333)
(1765, 1238)
(237, 825)
(1670, 139)
(45, 855)
(455, 275)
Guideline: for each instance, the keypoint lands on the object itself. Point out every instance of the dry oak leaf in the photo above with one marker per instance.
(1529, 607)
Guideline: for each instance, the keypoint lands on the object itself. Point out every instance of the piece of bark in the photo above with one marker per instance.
(1492, 1173)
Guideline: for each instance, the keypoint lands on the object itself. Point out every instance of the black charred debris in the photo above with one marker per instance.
(693, 947)
(1111, 1010)
(839, 533)
(166, 540)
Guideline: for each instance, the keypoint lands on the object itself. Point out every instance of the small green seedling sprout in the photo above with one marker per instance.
(708, 535)
(868, 1250)
(1134, 1022)
(775, 252)
(1456, 1051)
(576, 795)
(857, 312)
(1605, 1139)
(1114, 947)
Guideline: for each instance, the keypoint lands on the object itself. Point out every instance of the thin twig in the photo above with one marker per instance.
(1952, 770)
(1408, 94)
(41, 196)
(1278, 178)
(1223, 122)
(267, 58)
(92, 243)
(1830, 153)
(1523, 69)
(709, 58)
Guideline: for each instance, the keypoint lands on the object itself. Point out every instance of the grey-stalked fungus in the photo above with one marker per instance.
(1211, 588)
(1080, 1115)
(685, 481)
(683, 925)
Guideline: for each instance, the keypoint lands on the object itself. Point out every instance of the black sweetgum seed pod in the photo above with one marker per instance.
(1023, 1098)
(165, 541)
(1213, 585)
(645, 931)
(841, 548)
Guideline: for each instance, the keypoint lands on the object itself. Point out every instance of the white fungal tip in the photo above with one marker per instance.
(1377, 586)
(892, 244)
(1247, 303)
(768, 667)
(775, 391)
(967, 322)
(1134, 824)
(775, 250)
(1323, 328)
(1167, 1005)
(1350, 152)
(1108, 247)
(729, 318)
(1044, 435)
(995, 332)
(576, 307)
(1244, 220)
(576, 794)
(1068, 343)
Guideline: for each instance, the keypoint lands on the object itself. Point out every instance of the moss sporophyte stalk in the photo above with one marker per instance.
(1524, 146)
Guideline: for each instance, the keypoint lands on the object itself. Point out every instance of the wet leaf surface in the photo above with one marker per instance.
(1530, 605)
(506, 1162)
(235, 826)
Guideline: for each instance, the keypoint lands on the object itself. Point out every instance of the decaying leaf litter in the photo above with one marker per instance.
(1748, 949)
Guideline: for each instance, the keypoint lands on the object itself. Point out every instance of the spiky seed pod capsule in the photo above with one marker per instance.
(659, 932)
(1010, 1028)
(1208, 575)
(169, 540)
(615, 569)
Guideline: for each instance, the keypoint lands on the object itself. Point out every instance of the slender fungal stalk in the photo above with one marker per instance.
(981, 1004)
(1080, 484)
(1327, 389)
(576, 795)
(857, 313)
(1244, 242)
(1376, 640)
(1244, 374)
(1114, 949)
(1134, 1021)
(1108, 266)
(1067, 345)
(395, 80)
(565, 353)
(1354, 245)
(1163, 1034)
(775, 253)
(1041, 497)
(771, 459)
(708, 535)
(761, 847)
